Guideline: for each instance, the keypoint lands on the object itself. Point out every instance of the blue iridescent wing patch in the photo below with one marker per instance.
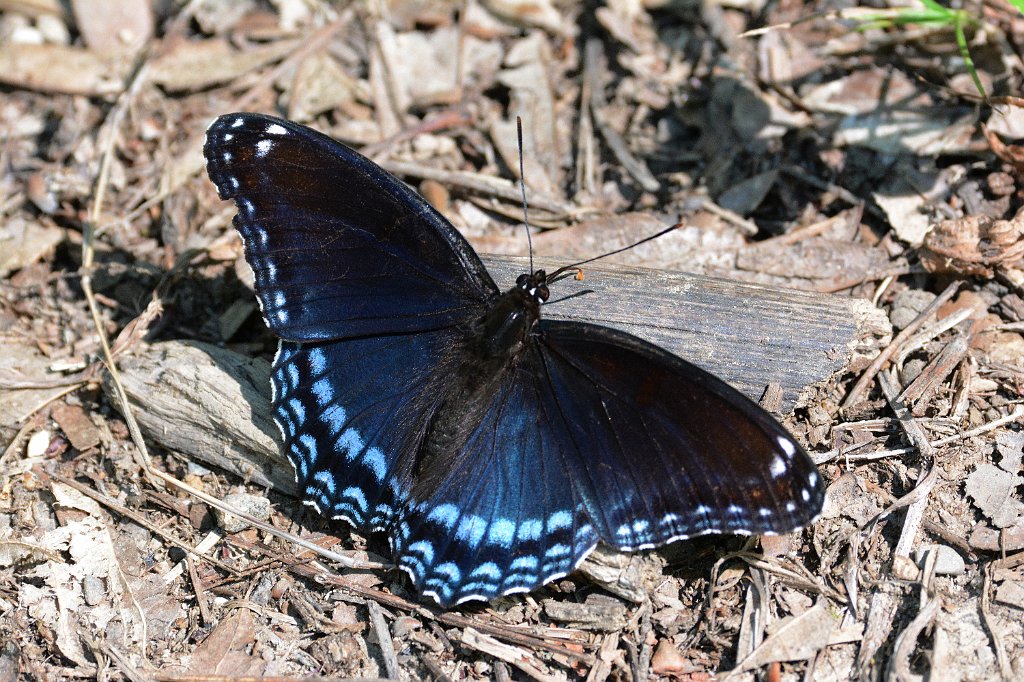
(493, 448)
(503, 514)
(352, 414)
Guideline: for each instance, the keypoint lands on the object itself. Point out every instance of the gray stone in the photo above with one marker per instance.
(947, 562)
(254, 505)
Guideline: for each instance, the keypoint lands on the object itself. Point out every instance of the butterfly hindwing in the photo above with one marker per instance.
(338, 246)
(504, 517)
(665, 450)
(352, 414)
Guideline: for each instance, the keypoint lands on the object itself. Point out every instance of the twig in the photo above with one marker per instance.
(449, 118)
(906, 642)
(387, 646)
(447, 618)
(520, 658)
(819, 184)
(634, 166)
(602, 668)
(474, 182)
(1005, 669)
(736, 220)
(262, 525)
(903, 565)
(930, 332)
(435, 668)
(139, 519)
(15, 443)
(935, 372)
(197, 587)
(825, 457)
(856, 394)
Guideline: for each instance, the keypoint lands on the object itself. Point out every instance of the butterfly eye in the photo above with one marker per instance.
(542, 292)
(522, 280)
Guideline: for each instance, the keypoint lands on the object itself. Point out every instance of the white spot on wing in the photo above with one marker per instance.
(444, 514)
(276, 129)
(777, 467)
(502, 532)
(560, 519)
(263, 148)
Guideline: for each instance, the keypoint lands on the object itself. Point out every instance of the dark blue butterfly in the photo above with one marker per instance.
(493, 448)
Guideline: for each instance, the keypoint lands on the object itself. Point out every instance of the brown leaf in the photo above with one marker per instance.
(63, 69)
(114, 25)
(973, 245)
(224, 652)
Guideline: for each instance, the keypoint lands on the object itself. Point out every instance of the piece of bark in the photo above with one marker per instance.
(213, 405)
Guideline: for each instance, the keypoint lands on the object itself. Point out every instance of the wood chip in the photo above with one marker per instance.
(77, 426)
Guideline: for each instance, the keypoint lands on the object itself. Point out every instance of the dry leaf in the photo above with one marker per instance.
(195, 65)
(994, 493)
(62, 69)
(796, 639)
(319, 85)
(973, 245)
(228, 650)
(124, 26)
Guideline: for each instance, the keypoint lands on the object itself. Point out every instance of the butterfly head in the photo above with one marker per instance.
(535, 285)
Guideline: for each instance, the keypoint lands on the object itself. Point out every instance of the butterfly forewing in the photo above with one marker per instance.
(339, 247)
(663, 449)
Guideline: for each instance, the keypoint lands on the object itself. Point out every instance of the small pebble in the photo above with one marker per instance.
(907, 305)
(254, 505)
(93, 590)
(948, 561)
(38, 444)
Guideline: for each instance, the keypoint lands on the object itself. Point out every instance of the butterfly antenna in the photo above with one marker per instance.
(561, 273)
(522, 187)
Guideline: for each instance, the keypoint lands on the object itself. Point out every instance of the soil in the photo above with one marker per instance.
(797, 145)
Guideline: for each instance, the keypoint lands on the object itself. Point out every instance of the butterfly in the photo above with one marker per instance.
(493, 447)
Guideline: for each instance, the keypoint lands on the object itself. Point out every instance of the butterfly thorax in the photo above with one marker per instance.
(494, 342)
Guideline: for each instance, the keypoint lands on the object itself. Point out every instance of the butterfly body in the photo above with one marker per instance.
(493, 447)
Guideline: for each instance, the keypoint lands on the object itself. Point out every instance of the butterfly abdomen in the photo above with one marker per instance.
(493, 344)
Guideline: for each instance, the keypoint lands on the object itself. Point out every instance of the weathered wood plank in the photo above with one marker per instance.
(213, 405)
(747, 334)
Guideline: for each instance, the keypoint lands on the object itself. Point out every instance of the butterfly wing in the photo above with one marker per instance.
(596, 434)
(339, 247)
(504, 516)
(352, 414)
(665, 450)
